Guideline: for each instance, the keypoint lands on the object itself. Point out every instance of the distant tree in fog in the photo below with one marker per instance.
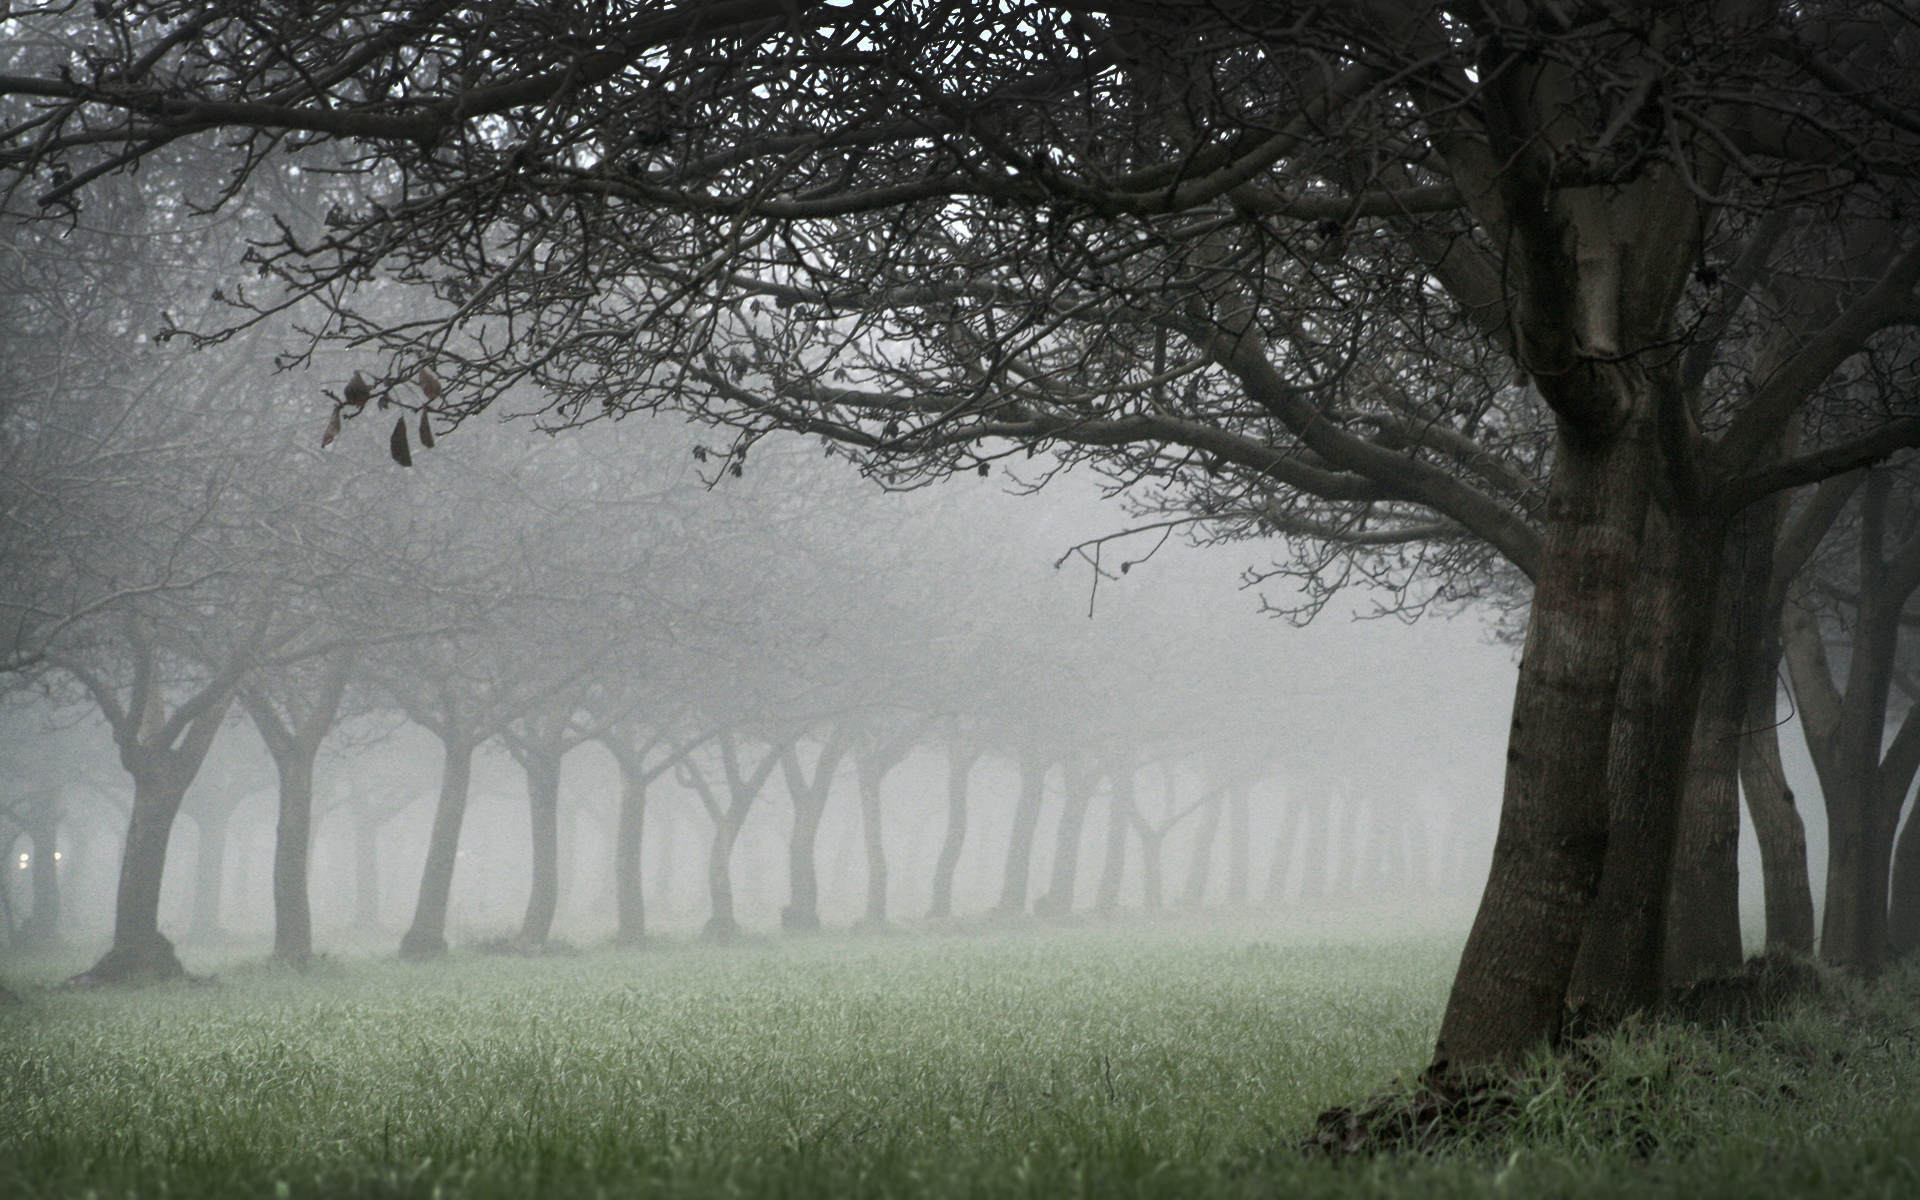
(1428, 289)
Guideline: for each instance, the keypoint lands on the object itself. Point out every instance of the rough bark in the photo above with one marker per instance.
(1510, 990)
(1622, 962)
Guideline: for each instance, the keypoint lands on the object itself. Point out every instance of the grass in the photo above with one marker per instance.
(1177, 1062)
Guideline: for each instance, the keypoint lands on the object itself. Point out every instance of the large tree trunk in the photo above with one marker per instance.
(427, 936)
(961, 755)
(139, 950)
(161, 775)
(1622, 962)
(42, 926)
(1509, 993)
(1079, 785)
(542, 766)
(1026, 823)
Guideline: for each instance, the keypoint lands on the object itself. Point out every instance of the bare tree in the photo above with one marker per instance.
(1280, 261)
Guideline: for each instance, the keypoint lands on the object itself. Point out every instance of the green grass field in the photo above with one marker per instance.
(1179, 1061)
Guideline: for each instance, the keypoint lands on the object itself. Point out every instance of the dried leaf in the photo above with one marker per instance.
(429, 383)
(333, 428)
(397, 445)
(359, 391)
(426, 432)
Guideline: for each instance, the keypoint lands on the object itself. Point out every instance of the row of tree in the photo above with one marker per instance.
(1447, 295)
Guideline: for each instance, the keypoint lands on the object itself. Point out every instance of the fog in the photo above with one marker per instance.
(1381, 742)
(1381, 745)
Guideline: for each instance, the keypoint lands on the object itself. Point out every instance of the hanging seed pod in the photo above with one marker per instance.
(426, 433)
(429, 384)
(359, 391)
(397, 444)
(333, 428)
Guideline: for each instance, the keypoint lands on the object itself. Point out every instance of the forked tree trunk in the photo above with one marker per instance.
(1510, 990)
(293, 740)
(742, 789)
(1026, 823)
(1622, 961)
(161, 775)
(961, 756)
(1078, 794)
(801, 913)
(427, 936)
(629, 896)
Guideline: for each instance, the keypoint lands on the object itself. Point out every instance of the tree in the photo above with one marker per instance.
(1296, 246)
(1865, 774)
